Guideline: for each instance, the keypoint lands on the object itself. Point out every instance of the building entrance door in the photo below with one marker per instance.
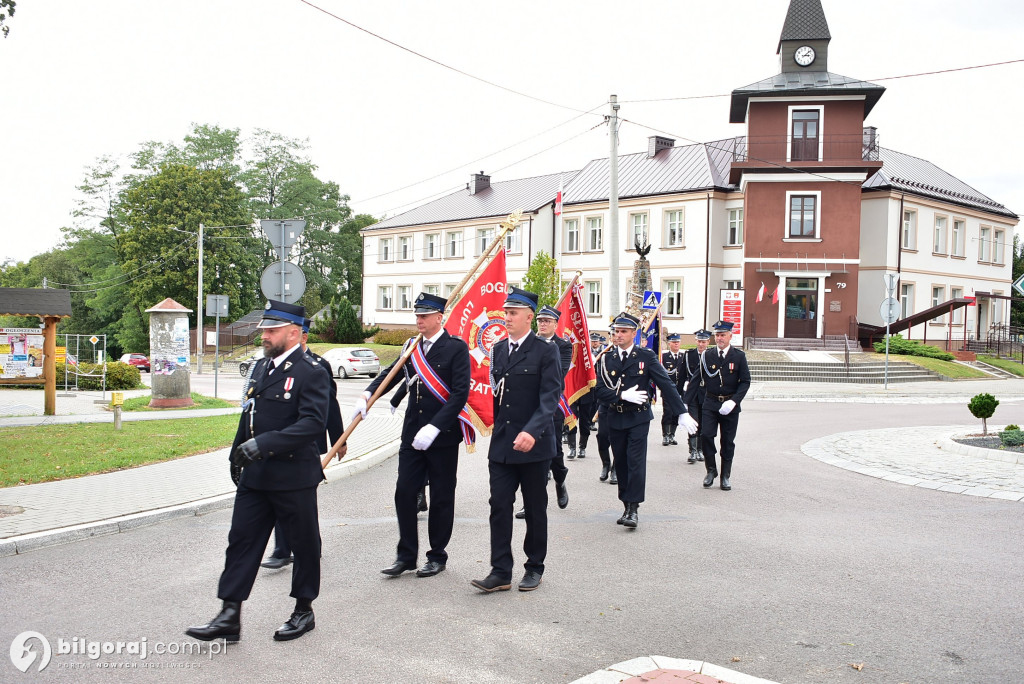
(801, 307)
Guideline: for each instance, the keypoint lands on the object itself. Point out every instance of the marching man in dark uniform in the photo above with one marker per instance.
(691, 362)
(276, 445)
(436, 378)
(623, 376)
(547, 317)
(282, 553)
(526, 380)
(671, 359)
(725, 378)
(603, 441)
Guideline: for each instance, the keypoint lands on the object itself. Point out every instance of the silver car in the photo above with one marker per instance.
(349, 361)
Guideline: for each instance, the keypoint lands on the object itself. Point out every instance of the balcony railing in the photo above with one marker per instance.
(827, 148)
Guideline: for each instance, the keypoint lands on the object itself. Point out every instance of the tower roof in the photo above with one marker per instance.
(805, 21)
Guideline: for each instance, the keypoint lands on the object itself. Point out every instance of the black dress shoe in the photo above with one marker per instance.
(227, 625)
(398, 567)
(631, 519)
(672, 440)
(582, 453)
(492, 583)
(604, 473)
(664, 440)
(531, 580)
(625, 512)
(521, 513)
(300, 622)
(275, 562)
(700, 456)
(724, 484)
(710, 480)
(421, 502)
(563, 494)
(430, 568)
(692, 458)
(572, 453)
(613, 478)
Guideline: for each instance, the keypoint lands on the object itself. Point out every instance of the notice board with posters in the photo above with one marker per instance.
(21, 352)
(732, 312)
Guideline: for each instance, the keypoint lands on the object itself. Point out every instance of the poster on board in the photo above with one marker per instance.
(21, 352)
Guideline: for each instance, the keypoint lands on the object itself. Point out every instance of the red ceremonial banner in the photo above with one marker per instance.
(479, 319)
(572, 327)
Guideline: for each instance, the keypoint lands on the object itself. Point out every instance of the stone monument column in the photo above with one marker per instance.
(169, 350)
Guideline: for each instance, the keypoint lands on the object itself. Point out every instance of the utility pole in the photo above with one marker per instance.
(613, 209)
(199, 308)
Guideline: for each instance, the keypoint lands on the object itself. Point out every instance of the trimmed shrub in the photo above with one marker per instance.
(395, 337)
(1012, 438)
(983, 406)
(120, 376)
(1011, 426)
(898, 345)
(340, 325)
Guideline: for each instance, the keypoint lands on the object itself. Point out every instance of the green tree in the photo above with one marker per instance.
(983, 406)
(544, 279)
(6, 11)
(1017, 306)
(341, 325)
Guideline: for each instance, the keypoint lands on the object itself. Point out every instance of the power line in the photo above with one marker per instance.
(440, 64)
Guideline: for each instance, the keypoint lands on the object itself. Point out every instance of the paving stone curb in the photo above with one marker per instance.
(644, 667)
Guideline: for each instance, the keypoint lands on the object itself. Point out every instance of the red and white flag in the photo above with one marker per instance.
(558, 200)
(775, 295)
(572, 327)
(479, 319)
(760, 293)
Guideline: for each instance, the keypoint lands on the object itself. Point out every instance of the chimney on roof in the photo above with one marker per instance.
(478, 182)
(657, 143)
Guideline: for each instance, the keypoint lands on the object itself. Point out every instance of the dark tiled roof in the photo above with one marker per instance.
(501, 199)
(31, 301)
(792, 83)
(805, 21)
(677, 169)
(921, 177)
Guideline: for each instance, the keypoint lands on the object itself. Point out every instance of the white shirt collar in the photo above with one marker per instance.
(519, 342)
(279, 359)
(628, 350)
(436, 336)
(723, 351)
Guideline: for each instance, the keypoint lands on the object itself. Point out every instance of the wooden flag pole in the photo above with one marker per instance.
(509, 224)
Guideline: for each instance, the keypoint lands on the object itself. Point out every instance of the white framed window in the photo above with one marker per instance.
(938, 297)
(484, 238)
(405, 249)
(384, 297)
(958, 313)
(513, 242)
(384, 252)
(735, 235)
(595, 234)
(958, 237)
(803, 216)
(572, 235)
(432, 246)
(673, 294)
(906, 299)
(998, 244)
(448, 289)
(593, 289)
(939, 241)
(733, 285)
(985, 244)
(453, 244)
(674, 228)
(432, 289)
(405, 297)
(909, 239)
(638, 232)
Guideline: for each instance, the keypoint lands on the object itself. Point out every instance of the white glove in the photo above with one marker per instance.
(425, 437)
(634, 395)
(361, 405)
(393, 409)
(727, 407)
(685, 385)
(687, 422)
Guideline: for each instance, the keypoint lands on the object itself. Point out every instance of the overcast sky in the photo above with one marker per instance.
(84, 79)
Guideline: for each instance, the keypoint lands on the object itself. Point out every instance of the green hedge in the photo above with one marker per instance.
(120, 376)
(395, 337)
(898, 345)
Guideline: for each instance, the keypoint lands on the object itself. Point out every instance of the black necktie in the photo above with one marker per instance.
(721, 355)
(512, 348)
(623, 357)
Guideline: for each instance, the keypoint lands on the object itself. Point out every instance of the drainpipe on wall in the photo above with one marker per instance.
(707, 265)
(899, 251)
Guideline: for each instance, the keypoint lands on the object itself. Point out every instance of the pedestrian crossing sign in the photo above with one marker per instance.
(651, 300)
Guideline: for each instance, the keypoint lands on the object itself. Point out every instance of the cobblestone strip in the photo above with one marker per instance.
(916, 457)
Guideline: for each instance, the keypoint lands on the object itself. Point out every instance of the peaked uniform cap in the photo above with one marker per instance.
(278, 314)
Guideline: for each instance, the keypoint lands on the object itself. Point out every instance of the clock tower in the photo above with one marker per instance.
(800, 168)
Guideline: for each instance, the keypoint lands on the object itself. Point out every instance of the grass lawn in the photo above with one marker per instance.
(1005, 364)
(200, 402)
(950, 369)
(56, 452)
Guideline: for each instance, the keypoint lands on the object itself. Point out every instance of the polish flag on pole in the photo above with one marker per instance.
(558, 200)
(775, 295)
(760, 293)
(479, 319)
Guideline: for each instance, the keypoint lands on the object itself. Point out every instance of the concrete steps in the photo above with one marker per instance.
(829, 344)
(869, 373)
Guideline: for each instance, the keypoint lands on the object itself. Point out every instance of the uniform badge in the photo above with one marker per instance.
(641, 366)
(613, 374)
(287, 395)
(287, 365)
(288, 384)
(267, 307)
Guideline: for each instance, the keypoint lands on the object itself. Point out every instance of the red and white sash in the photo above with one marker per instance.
(441, 391)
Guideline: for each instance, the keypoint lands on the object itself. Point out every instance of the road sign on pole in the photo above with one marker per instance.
(890, 280)
(890, 310)
(283, 233)
(1018, 285)
(284, 282)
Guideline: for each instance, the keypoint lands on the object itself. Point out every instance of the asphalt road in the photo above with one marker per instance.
(800, 571)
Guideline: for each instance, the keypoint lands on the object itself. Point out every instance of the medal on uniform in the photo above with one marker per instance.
(731, 366)
(288, 384)
(641, 366)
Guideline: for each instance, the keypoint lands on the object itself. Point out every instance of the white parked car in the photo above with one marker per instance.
(349, 361)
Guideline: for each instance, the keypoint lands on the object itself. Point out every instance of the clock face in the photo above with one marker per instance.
(804, 55)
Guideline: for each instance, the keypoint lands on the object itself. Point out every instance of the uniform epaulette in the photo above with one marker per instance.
(312, 359)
